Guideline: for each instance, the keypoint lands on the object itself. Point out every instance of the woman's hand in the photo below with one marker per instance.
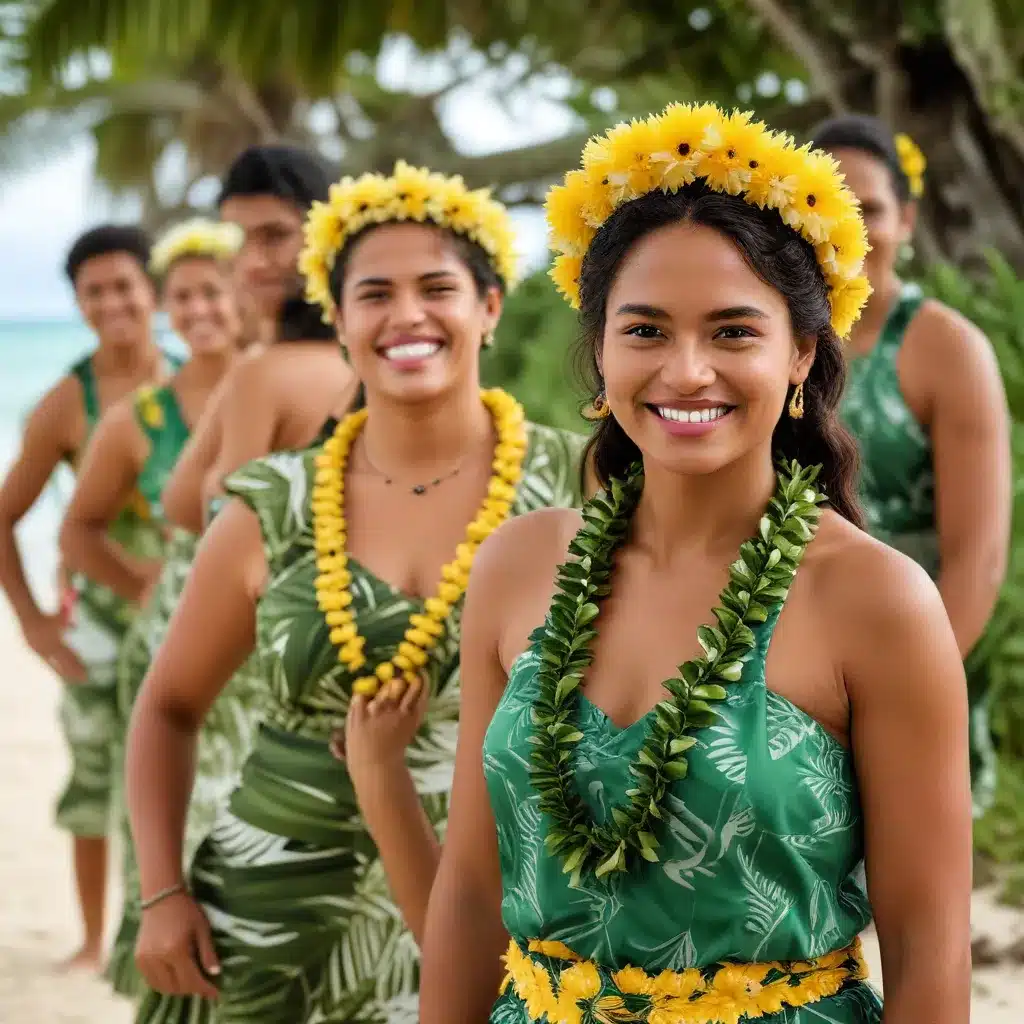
(378, 730)
(174, 951)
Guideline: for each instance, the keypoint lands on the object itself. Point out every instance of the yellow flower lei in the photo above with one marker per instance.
(329, 538)
(912, 162)
(732, 154)
(410, 193)
(197, 237)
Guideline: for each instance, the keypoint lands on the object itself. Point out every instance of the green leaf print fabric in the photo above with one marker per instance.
(759, 858)
(897, 487)
(303, 918)
(224, 741)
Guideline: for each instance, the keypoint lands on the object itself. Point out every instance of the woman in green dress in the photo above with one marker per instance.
(133, 451)
(688, 851)
(926, 404)
(344, 566)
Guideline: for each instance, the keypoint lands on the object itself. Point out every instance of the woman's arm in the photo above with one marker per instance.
(905, 681)
(48, 438)
(377, 734)
(970, 432)
(209, 637)
(465, 938)
(110, 470)
(182, 496)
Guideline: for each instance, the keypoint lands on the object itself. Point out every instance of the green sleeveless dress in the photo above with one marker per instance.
(159, 416)
(291, 882)
(224, 742)
(97, 623)
(758, 862)
(897, 492)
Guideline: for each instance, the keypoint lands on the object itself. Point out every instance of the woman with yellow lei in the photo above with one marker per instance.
(344, 566)
(688, 851)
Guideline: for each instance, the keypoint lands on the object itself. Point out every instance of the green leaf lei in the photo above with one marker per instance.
(758, 580)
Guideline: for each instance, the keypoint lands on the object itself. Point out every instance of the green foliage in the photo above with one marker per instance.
(995, 303)
(532, 356)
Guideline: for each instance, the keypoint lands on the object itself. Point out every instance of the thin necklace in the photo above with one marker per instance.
(417, 488)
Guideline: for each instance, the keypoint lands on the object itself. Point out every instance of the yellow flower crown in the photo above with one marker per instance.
(912, 162)
(732, 154)
(410, 193)
(198, 237)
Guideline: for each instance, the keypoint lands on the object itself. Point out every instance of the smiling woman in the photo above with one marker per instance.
(344, 566)
(652, 839)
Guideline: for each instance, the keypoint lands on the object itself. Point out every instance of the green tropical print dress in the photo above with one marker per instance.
(897, 493)
(230, 727)
(97, 622)
(302, 916)
(758, 855)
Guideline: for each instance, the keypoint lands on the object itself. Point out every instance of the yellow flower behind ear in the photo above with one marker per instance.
(912, 162)
(149, 408)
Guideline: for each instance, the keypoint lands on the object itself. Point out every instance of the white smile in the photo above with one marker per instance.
(412, 350)
(692, 415)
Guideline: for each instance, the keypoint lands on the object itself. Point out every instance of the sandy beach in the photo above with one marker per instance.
(38, 923)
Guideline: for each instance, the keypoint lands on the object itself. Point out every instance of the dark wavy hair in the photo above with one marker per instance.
(785, 262)
(868, 135)
(300, 320)
(475, 258)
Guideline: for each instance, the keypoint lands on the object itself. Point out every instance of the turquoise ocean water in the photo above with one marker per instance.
(34, 354)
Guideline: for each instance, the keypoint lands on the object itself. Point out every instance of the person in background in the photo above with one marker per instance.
(664, 793)
(134, 448)
(282, 401)
(926, 404)
(108, 270)
(344, 567)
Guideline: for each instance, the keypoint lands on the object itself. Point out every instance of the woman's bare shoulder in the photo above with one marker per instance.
(872, 600)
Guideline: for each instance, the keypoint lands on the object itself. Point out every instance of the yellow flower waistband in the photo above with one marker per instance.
(551, 979)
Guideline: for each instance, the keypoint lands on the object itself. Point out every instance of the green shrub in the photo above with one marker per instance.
(532, 354)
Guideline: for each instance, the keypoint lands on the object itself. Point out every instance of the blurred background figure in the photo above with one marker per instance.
(108, 269)
(926, 403)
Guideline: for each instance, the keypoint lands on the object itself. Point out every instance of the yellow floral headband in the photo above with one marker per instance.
(198, 237)
(912, 162)
(732, 154)
(409, 194)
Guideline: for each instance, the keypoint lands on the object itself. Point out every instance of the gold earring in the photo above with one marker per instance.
(796, 403)
(599, 408)
(488, 339)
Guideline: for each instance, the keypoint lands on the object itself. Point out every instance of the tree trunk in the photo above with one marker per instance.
(974, 183)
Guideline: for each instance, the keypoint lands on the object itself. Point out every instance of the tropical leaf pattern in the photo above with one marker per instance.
(897, 486)
(760, 855)
(224, 742)
(291, 881)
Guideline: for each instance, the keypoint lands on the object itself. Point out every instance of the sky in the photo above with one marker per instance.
(43, 211)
